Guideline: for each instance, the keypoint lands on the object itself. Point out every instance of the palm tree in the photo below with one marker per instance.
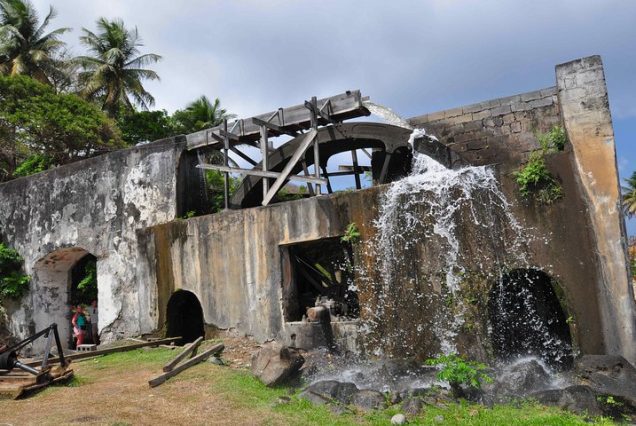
(629, 196)
(25, 48)
(201, 114)
(113, 74)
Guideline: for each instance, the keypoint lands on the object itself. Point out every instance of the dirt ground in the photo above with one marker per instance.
(119, 395)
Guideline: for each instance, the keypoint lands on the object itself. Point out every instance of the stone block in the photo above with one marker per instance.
(504, 109)
(540, 103)
(481, 115)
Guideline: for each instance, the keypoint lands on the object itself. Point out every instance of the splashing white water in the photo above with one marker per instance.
(387, 113)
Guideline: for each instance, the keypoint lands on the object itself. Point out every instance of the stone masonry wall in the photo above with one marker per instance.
(499, 131)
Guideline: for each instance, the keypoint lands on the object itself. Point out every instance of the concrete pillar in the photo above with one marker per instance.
(584, 104)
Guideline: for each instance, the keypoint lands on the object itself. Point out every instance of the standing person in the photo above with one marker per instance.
(79, 325)
(92, 311)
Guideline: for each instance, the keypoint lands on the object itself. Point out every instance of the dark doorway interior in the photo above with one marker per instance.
(84, 281)
(527, 319)
(185, 317)
(321, 272)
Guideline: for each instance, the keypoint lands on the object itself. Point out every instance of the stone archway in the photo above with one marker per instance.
(53, 279)
(184, 317)
(527, 318)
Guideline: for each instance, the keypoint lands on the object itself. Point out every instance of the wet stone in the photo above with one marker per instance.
(368, 400)
(578, 399)
(522, 378)
(330, 390)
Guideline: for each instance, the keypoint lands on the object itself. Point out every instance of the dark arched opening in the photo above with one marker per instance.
(527, 319)
(185, 317)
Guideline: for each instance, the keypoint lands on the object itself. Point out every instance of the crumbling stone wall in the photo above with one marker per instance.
(95, 206)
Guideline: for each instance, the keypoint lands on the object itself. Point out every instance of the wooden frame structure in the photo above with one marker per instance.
(285, 121)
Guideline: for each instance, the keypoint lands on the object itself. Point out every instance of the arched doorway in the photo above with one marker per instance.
(528, 320)
(185, 317)
(62, 279)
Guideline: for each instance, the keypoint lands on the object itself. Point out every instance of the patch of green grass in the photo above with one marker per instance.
(126, 359)
(246, 391)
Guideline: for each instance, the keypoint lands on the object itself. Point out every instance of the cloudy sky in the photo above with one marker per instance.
(414, 56)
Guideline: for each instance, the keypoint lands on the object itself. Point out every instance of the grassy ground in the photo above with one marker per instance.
(113, 390)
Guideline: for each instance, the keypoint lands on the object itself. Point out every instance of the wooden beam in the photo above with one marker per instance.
(187, 351)
(256, 172)
(80, 355)
(275, 127)
(300, 151)
(189, 363)
(242, 155)
(341, 107)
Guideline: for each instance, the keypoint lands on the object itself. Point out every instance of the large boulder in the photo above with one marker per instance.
(522, 378)
(274, 363)
(330, 391)
(578, 399)
(608, 374)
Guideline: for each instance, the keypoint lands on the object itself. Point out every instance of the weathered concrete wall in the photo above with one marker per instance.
(585, 108)
(96, 206)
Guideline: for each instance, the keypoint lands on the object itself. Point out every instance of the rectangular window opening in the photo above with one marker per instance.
(319, 273)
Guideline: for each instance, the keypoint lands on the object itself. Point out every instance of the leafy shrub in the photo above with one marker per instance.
(35, 163)
(554, 140)
(351, 234)
(13, 283)
(535, 180)
(87, 286)
(459, 372)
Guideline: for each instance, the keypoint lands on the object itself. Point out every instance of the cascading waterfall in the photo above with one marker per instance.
(423, 261)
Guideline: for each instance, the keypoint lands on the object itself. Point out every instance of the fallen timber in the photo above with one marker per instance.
(189, 350)
(189, 363)
(125, 348)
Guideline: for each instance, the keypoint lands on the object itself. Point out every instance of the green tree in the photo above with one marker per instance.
(145, 126)
(113, 72)
(35, 120)
(629, 196)
(200, 114)
(25, 47)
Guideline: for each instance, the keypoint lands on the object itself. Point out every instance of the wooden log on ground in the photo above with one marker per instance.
(188, 350)
(189, 363)
(91, 354)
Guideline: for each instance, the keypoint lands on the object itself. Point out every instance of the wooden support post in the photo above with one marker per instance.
(326, 176)
(314, 125)
(310, 187)
(264, 161)
(187, 351)
(385, 167)
(192, 361)
(226, 163)
(300, 151)
(354, 157)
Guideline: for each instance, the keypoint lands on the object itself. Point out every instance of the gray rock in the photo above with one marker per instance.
(578, 399)
(274, 363)
(412, 406)
(368, 400)
(608, 374)
(395, 398)
(398, 419)
(439, 419)
(330, 391)
(522, 378)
